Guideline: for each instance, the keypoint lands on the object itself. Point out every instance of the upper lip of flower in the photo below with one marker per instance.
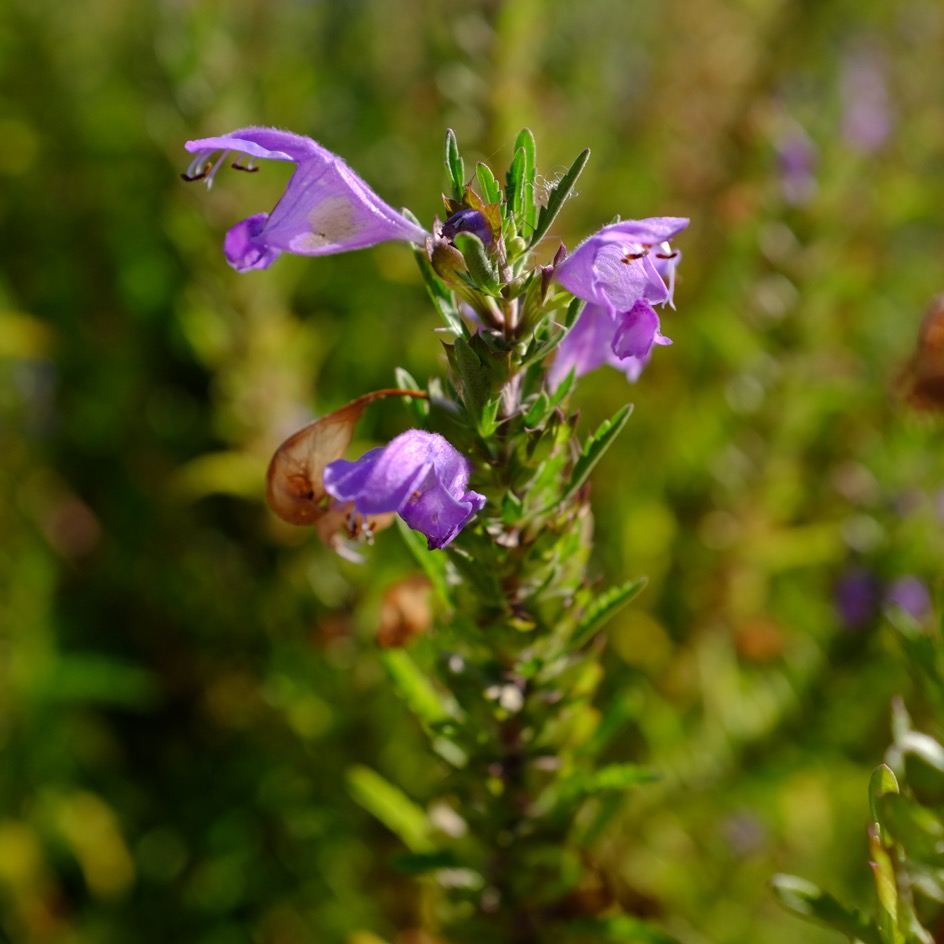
(615, 267)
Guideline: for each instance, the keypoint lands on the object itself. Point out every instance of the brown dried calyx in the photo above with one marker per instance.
(294, 482)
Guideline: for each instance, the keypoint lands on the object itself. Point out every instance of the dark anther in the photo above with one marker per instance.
(671, 255)
(630, 256)
(190, 178)
(249, 170)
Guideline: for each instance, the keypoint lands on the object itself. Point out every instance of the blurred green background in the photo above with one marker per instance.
(184, 681)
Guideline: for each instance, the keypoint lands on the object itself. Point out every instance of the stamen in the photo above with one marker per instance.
(212, 173)
(632, 256)
(248, 168)
(190, 177)
(671, 255)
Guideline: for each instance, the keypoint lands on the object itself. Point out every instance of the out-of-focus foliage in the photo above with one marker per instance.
(906, 835)
(188, 689)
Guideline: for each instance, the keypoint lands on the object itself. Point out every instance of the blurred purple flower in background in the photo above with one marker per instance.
(621, 272)
(326, 207)
(866, 112)
(858, 595)
(911, 594)
(419, 475)
(797, 157)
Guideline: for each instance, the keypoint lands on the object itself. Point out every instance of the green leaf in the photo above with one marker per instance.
(883, 781)
(418, 407)
(99, 679)
(913, 826)
(557, 197)
(514, 185)
(473, 375)
(527, 208)
(542, 345)
(414, 687)
(482, 271)
(805, 899)
(886, 888)
(603, 608)
(608, 778)
(419, 863)
(621, 710)
(455, 168)
(487, 421)
(923, 761)
(620, 929)
(544, 404)
(391, 806)
(443, 299)
(491, 189)
(433, 563)
(594, 449)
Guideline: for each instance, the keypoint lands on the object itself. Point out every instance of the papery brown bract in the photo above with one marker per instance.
(294, 487)
(922, 379)
(405, 612)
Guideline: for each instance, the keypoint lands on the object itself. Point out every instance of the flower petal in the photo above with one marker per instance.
(637, 332)
(326, 207)
(614, 266)
(267, 143)
(243, 248)
(419, 475)
(586, 347)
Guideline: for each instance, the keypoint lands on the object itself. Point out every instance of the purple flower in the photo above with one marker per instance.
(857, 596)
(326, 207)
(418, 475)
(621, 272)
(912, 595)
(866, 111)
(797, 157)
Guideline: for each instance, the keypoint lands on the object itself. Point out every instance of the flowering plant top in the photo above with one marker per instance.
(522, 333)
(494, 473)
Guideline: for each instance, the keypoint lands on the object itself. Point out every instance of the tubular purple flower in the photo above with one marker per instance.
(419, 475)
(621, 271)
(326, 207)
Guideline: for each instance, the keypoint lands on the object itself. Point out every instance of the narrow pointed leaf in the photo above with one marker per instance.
(805, 899)
(482, 270)
(433, 565)
(883, 781)
(415, 688)
(391, 806)
(541, 346)
(442, 297)
(527, 206)
(594, 449)
(558, 197)
(514, 185)
(418, 408)
(886, 889)
(609, 778)
(455, 168)
(603, 608)
(491, 189)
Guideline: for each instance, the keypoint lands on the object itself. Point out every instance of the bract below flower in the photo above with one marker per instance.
(419, 475)
(621, 271)
(326, 207)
